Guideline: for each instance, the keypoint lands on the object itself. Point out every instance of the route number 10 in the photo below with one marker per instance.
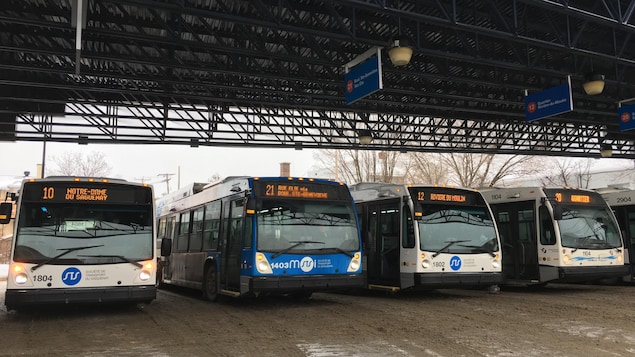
(48, 193)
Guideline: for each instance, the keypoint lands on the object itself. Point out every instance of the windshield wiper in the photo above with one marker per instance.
(339, 250)
(450, 243)
(479, 249)
(65, 251)
(296, 243)
(135, 263)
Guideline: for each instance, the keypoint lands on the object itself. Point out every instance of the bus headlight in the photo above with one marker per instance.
(355, 263)
(620, 258)
(146, 271)
(425, 264)
(495, 264)
(21, 278)
(144, 275)
(566, 259)
(262, 264)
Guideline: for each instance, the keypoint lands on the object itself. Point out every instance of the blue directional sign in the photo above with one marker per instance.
(627, 117)
(364, 79)
(550, 102)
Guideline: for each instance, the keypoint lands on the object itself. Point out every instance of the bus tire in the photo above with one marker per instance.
(210, 283)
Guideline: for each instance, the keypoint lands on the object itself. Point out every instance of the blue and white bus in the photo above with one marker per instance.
(247, 236)
(556, 235)
(427, 237)
(81, 240)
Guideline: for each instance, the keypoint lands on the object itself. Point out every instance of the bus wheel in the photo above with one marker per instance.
(210, 287)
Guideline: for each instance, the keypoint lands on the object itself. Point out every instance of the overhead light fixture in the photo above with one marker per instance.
(399, 52)
(594, 83)
(606, 150)
(365, 136)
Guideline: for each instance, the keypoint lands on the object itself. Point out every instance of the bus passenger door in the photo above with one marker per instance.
(383, 236)
(166, 268)
(626, 219)
(234, 243)
(516, 224)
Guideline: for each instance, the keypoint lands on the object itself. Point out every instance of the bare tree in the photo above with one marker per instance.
(570, 173)
(77, 163)
(467, 169)
(425, 168)
(488, 170)
(463, 169)
(354, 166)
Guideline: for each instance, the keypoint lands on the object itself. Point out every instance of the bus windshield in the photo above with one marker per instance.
(298, 227)
(457, 229)
(58, 233)
(588, 227)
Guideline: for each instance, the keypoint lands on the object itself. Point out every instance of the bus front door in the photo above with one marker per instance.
(383, 243)
(516, 224)
(232, 248)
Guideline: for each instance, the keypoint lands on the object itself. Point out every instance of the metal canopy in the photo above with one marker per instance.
(270, 73)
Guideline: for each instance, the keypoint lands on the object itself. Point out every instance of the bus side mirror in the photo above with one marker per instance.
(5, 212)
(418, 211)
(166, 247)
(250, 206)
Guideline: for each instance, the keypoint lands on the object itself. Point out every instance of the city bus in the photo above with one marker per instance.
(427, 237)
(251, 236)
(81, 240)
(622, 202)
(556, 235)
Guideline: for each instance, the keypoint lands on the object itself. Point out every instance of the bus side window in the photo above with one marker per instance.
(211, 226)
(183, 232)
(547, 234)
(196, 238)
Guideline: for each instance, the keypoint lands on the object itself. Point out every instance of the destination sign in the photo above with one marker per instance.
(574, 196)
(300, 190)
(436, 195)
(295, 191)
(87, 192)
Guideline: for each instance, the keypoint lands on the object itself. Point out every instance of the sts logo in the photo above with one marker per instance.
(455, 263)
(71, 276)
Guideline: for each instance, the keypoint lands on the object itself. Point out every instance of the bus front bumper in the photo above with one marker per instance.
(16, 298)
(587, 274)
(257, 284)
(449, 280)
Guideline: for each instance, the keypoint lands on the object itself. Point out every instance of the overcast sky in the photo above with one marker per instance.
(150, 162)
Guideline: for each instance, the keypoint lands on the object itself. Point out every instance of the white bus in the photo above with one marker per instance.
(622, 203)
(556, 235)
(426, 237)
(81, 240)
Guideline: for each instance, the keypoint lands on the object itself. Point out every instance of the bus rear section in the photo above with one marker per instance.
(556, 235)
(427, 237)
(622, 202)
(273, 235)
(79, 240)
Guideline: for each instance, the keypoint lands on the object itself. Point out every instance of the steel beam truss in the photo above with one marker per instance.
(269, 73)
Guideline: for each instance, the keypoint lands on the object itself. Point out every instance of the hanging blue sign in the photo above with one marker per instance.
(627, 117)
(550, 102)
(363, 80)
